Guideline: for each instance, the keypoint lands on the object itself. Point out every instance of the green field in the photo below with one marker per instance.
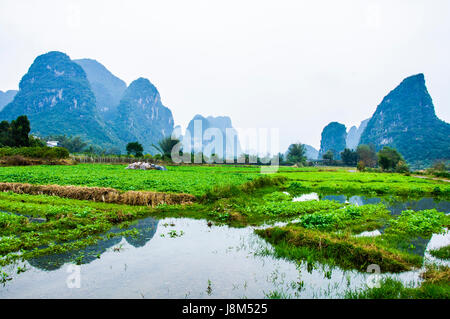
(197, 180)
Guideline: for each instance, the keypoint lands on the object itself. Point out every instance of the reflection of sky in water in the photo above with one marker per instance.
(395, 206)
(180, 267)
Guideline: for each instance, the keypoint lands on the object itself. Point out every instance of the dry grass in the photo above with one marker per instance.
(100, 194)
(435, 274)
(18, 160)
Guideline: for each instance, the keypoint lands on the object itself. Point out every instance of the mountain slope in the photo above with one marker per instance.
(108, 89)
(406, 120)
(141, 116)
(197, 127)
(57, 98)
(311, 152)
(354, 135)
(333, 138)
(6, 97)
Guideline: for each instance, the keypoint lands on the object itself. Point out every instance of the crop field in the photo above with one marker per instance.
(197, 180)
(178, 179)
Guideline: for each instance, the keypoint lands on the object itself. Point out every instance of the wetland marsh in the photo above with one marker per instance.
(245, 235)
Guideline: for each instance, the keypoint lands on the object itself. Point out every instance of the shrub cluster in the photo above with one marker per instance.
(35, 152)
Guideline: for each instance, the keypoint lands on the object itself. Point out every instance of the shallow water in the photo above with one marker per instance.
(395, 206)
(204, 262)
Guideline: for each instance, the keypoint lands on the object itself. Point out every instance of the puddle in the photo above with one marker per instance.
(30, 218)
(395, 206)
(372, 233)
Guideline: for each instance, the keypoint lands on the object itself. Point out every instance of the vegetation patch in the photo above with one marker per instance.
(418, 223)
(351, 218)
(373, 184)
(340, 249)
(435, 286)
(68, 225)
(442, 253)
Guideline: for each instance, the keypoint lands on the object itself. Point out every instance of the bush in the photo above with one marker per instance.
(361, 166)
(35, 152)
(402, 167)
(389, 158)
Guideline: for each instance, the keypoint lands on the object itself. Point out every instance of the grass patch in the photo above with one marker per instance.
(343, 250)
(435, 286)
(442, 253)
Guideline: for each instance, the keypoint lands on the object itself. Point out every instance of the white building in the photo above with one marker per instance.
(52, 143)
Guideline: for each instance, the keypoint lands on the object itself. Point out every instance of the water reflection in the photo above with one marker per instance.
(229, 260)
(394, 205)
(146, 227)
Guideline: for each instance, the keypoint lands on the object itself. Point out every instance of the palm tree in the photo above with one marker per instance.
(166, 145)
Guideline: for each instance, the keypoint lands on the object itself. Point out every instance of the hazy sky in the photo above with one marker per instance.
(294, 65)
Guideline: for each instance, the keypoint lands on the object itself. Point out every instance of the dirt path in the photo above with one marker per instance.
(433, 178)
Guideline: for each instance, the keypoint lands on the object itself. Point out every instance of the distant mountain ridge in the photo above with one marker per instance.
(108, 89)
(141, 116)
(6, 97)
(406, 119)
(83, 98)
(354, 135)
(333, 139)
(57, 98)
(197, 127)
(311, 152)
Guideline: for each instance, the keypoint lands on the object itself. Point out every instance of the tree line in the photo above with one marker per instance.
(17, 134)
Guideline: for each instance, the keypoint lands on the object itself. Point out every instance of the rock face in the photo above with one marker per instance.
(142, 116)
(57, 98)
(333, 138)
(6, 97)
(197, 127)
(405, 119)
(311, 152)
(108, 89)
(354, 135)
(82, 97)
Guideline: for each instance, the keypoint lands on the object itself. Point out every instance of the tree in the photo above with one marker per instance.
(20, 128)
(388, 158)
(35, 141)
(73, 143)
(135, 148)
(349, 157)
(402, 167)
(328, 157)
(5, 134)
(367, 154)
(296, 153)
(166, 145)
(281, 159)
(15, 134)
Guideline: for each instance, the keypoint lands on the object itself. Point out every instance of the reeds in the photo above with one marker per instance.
(100, 194)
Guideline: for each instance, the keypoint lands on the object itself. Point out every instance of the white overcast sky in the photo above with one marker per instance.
(293, 65)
